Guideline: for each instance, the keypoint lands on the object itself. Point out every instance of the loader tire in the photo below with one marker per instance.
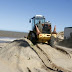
(32, 37)
(52, 41)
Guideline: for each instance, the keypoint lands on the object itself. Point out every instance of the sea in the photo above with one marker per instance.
(6, 39)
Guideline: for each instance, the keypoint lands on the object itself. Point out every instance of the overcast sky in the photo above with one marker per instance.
(15, 14)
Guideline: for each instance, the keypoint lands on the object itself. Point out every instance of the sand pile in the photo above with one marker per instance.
(20, 57)
(59, 58)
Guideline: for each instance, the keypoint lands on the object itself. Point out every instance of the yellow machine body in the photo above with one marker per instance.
(44, 38)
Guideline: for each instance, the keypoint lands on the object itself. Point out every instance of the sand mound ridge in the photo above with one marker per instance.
(19, 55)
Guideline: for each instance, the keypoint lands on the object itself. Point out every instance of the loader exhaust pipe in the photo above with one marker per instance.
(37, 30)
(54, 31)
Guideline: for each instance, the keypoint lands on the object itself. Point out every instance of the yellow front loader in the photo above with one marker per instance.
(41, 31)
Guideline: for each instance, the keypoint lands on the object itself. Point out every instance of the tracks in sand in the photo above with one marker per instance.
(45, 58)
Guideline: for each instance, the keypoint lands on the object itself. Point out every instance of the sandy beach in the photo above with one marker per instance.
(20, 55)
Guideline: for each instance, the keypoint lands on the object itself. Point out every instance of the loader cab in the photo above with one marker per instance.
(46, 26)
(36, 19)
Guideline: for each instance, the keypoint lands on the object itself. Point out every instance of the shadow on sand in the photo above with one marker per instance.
(21, 42)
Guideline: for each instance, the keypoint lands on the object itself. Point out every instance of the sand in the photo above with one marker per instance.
(21, 55)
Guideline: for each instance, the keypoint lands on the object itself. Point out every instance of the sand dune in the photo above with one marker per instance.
(21, 55)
